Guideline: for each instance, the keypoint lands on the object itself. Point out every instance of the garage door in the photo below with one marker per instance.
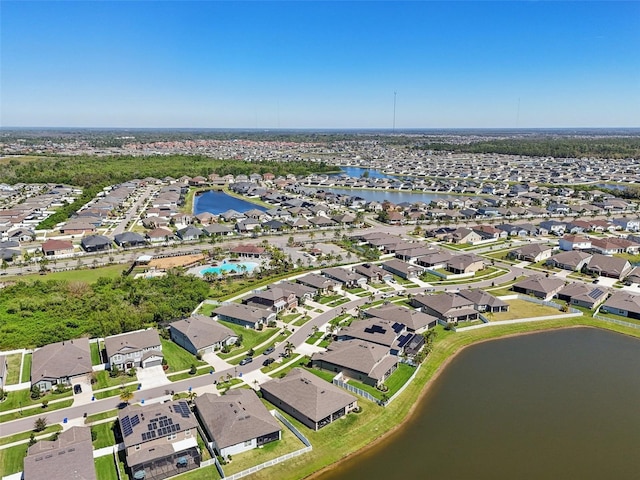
(152, 362)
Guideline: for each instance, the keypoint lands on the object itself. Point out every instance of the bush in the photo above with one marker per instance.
(40, 424)
(193, 370)
(94, 435)
(35, 393)
(199, 356)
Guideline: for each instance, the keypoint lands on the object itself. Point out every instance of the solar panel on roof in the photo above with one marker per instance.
(135, 420)
(177, 427)
(184, 409)
(397, 327)
(144, 436)
(595, 293)
(125, 424)
(153, 434)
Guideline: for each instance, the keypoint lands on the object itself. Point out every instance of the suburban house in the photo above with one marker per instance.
(387, 333)
(435, 259)
(533, 252)
(274, 298)
(159, 235)
(612, 267)
(583, 295)
(605, 246)
(322, 284)
(4, 367)
(245, 315)
(365, 362)
(483, 301)
(57, 247)
(413, 253)
(573, 260)
(414, 320)
(630, 224)
(129, 239)
(347, 278)
(134, 349)
(95, 243)
(189, 233)
(70, 456)
(574, 242)
(402, 269)
(623, 304)
(466, 263)
(302, 292)
(160, 440)
(200, 334)
(308, 398)
(449, 307)
(465, 235)
(62, 362)
(373, 273)
(236, 422)
(539, 286)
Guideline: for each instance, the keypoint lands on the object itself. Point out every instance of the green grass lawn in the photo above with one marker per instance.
(301, 321)
(522, 309)
(177, 357)
(294, 361)
(618, 317)
(315, 337)
(290, 318)
(26, 435)
(101, 416)
(355, 290)
(22, 398)
(88, 275)
(207, 308)
(103, 380)
(204, 473)
(12, 459)
(398, 378)
(203, 448)
(26, 368)
(181, 376)
(13, 368)
(30, 412)
(250, 337)
(106, 468)
(287, 444)
(329, 299)
(95, 353)
(323, 374)
(106, 436)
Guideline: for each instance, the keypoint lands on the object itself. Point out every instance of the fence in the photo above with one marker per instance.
(352, 389)
(539, 301)
(275, 461)
(617, 322)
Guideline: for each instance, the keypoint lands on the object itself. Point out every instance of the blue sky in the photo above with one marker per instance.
(307, 64)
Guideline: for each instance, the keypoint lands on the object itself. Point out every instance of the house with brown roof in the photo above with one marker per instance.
(308, 398)
(160, 440)
(248, 251)
(141, 348)
(465, 263)
(447, 306)
(483, 301)
(236, 422)
(159, 235)
(321, 283)
(605, 246)
(365, 362)
(414, 320)
(464, 235)
(624, 304)
(200, 334)
(373, 273)
(532, 252)
(274, 298)
(402, 269)
(583, 295)
(62, 362)
(245, 315)
(57, 247)
(69, 457)
(346, 277)
(573, 260)
(612, 267)
(436, 259)
(539, 286)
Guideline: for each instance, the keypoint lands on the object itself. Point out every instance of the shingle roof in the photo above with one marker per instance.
(236, 417)
(202, 331)
(63, 359)
(132, 341)
(357, 355)
(310, 395)
(413, 319)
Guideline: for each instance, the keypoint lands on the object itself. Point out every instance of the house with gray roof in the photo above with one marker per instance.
(402, 269)
(539, 286)
(129, 239)
(95, 243)
(61, 362)
(302, 292)
(321, 283)
(274, 298)
(373, 273)
(308, 398)
(347, 278)
(483, 301)
(217, 229)
(200, 334)
(244, 315)
(189, 233)
(573, 260)
(236, 422)
(375, 330)
(160, 440)
(134, 349)
(624, 304)
(465, 263)
(532, 252)
(612, 267)
(365, 362)
(449, 307)
(414, 320)
(435, 259)
(583, 295)
(69, 457)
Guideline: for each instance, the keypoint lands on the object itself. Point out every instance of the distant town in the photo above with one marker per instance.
(230, 325)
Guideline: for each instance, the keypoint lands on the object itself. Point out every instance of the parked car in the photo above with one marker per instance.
(246, 361)
(268, 351)
(77, 388)
(268, 361)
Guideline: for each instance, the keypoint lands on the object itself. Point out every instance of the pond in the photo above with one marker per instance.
(358, 172)
(216, 202)
(561, 404)
(393, 196)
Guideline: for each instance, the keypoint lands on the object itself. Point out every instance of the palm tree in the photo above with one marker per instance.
(126, 395)
(288, 348)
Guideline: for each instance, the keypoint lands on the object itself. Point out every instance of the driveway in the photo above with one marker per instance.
(151, 377)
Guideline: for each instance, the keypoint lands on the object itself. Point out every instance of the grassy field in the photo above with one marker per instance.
(13, 368)
(354, 432)
(22, 398)
(523, 309)
(26, 368)
(103, 380)
(106, 436)
(12, 459)
(106, 468)
(25, 435)
(88, 275)
(177, 357)
(250, 337)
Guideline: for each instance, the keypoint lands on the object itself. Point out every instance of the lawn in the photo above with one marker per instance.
(328, 376)
(181, 376)
(398, 378)
(95, 353)
(26, 368)
(88, 275)
(292, 362)
(621, 318)
(204, 473)
(12, 459)
(106, 436)
(329, 299)
(301, 321)
(26, 435)
(13, 368)
(250, 337)
(315, 337)
(22, 398)
(177, 357)
(287, 444)
(29, 412)
(101, 416)
(522, 309)
(206, 309)
(106, 468)
(290, 318)
(103, 380)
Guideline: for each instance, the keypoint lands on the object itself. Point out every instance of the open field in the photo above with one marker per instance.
(88, 275)
(172, 262)
(523, 309)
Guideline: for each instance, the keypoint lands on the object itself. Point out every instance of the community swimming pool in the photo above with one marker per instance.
(227, 266)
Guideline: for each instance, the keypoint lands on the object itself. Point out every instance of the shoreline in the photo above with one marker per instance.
(426, 390)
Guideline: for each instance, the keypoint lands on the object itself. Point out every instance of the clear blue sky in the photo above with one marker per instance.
(306, 64)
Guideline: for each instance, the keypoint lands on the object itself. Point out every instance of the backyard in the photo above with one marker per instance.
(523, 309)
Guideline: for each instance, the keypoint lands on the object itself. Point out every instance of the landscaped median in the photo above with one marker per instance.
(357, 431)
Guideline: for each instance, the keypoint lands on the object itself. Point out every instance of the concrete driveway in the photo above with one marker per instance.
(151, 377)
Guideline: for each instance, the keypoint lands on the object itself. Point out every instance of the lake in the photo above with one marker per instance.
(216, 202)
(393, 196)
(357, 172)
(551, 405)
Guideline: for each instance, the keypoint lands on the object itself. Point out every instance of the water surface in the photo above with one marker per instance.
(216, 202)
(552, 405)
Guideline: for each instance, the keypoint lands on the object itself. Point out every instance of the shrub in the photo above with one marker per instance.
(40, 424)
(35, 392)
(193, 370)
